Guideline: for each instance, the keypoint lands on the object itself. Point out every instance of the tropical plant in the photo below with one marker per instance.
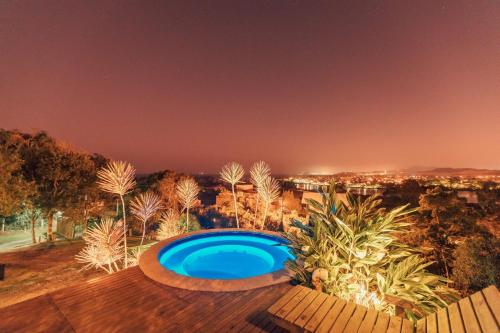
(103, 246)
(268, 192)
(118, 178)
(145, 206)
(232, 173)
(355, 247)
(259, 172)
(169, 225)
(187, 192)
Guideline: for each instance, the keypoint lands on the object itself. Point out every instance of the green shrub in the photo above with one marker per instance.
(355, 249)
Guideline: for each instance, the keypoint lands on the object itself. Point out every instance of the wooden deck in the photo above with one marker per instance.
(302, 309)
(128, 301)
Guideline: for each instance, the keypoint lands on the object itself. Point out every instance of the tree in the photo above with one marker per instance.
(103, 246)
(477, 263)
(15, 191)
(445, 218)
(353, 248)
(169, 225)
(167, 189)
(118, 178)
(187, 192)
(60, 174)
(145, 206)
(232, 173)
(259, 172)
(268, 192)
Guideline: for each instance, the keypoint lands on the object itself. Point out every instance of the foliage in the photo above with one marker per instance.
(61, 175)
(443, 220)
(118, 178)
(233, 173)
(103, 246)
(268, 192)
(187, 192)
(259, 172)
(354, 246)
(169, 225)
(145, 206)
(477, 263)
(15, 191)
(194, 223)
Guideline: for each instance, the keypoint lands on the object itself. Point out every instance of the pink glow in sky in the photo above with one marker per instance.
(304, 85)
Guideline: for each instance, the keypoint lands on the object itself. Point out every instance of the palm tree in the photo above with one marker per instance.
(232, 173)
(145, 206)
(268, 192)
(187, 192)
(258, 174)
(118, 178)
(103, 246)
(169, 225)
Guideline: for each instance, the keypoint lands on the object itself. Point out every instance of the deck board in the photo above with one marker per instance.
(128, 301)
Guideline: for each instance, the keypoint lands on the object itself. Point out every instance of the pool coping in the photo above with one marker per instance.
(151, 267)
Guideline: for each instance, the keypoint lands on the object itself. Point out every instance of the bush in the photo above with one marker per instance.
(194, 223)
(477, 264)
(351, 251)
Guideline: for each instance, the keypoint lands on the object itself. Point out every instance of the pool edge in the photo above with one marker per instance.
(151, 267)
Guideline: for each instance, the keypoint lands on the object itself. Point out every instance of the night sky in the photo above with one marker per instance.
(307, 86)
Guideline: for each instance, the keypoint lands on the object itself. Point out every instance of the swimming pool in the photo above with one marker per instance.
(226, 255)
(219, 260)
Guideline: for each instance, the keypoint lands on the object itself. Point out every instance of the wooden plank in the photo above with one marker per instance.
(443, 321)
(395, 324)
(38, 314)
(311, 310)
(297, 311)
(356, 319)
(368, 322)
(283, 300)
(421, 325)
(431, 322)
(331, 316)
(484, 314)
(294, 301)
(468, 317)
(344, 317)
(407, 326)
(493, 300)
(455, 319)
(320, 314)
(382, 323)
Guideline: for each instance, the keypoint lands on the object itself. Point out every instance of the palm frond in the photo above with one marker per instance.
(116, 177)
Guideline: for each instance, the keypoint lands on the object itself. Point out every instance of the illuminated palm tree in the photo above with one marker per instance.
(268, 192)
(103, 246)
(258, 174)
(187, 192)
(145, 206)
(118, 178)
(169, 225)
(232, 173)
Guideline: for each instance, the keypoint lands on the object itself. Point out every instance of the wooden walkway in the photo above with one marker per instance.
(128, 301)
(303, 309)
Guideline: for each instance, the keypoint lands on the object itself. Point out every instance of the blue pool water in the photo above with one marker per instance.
(226, 255)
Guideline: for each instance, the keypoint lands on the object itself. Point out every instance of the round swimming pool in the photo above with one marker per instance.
(219, 260)
(226, 255)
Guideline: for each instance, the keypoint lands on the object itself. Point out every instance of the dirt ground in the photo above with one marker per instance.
(34, 271)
